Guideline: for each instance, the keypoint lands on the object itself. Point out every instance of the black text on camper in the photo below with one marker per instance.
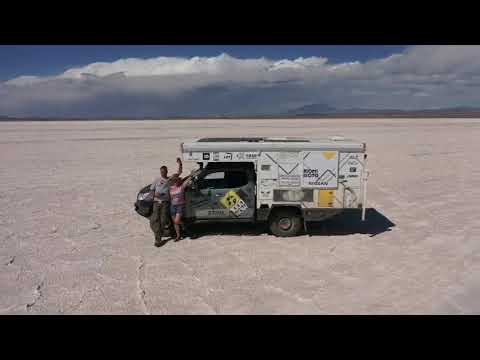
(310, 173)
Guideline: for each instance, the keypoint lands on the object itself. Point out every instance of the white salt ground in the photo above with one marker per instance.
(71, 243)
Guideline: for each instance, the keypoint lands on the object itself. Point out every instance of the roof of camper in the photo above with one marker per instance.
(272, 144)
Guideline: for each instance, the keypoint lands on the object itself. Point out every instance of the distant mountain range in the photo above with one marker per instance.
(321, 110)
(313, 109)
(306, 111)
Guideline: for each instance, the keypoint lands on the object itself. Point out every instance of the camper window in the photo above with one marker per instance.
(236, 179)
(215, 180)
(224, 180)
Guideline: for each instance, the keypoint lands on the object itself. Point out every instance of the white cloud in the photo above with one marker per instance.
(421, 76)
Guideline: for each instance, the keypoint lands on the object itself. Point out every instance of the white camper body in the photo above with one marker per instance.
(319, 176)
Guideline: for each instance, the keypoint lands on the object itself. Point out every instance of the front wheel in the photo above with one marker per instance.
(285, 223)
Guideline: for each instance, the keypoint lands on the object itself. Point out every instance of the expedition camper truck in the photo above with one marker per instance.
(286, 181)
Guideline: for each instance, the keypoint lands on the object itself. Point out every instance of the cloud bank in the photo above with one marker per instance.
(420, 77)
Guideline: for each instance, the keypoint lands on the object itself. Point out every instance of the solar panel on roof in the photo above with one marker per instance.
(252, 139)
(288, 140)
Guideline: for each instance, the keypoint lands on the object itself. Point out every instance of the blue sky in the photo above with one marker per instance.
(42, 60)
(164, 81)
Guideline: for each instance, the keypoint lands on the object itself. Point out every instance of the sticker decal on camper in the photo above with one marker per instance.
(289, 180)
(192, 156)
(329, 155)
(216, 212)
(234, 203)
(320, 169)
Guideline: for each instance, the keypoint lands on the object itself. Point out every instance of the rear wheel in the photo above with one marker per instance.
(285, 223)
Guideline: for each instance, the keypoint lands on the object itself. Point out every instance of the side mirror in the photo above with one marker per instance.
(194, 184)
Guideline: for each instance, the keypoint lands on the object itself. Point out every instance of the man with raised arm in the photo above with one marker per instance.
(160, 219)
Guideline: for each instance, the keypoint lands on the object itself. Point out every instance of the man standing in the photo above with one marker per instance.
(160, 218)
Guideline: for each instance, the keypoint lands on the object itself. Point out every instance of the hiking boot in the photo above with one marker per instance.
(158, 241)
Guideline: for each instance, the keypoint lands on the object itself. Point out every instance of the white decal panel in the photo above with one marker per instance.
(320, 169)
(289, 169)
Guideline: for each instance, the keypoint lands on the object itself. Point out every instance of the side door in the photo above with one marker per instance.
(203, 201)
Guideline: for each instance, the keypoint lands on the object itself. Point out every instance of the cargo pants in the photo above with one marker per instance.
(160, 220)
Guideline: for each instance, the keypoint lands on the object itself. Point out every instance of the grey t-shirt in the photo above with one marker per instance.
(161, 186)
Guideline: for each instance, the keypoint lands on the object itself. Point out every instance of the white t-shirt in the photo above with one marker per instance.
(161, 186)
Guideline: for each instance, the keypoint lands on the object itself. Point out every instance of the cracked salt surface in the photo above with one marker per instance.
(71, 242)
(140, 286)
(37, 294)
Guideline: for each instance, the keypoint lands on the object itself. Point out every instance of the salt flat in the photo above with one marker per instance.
(71, 243)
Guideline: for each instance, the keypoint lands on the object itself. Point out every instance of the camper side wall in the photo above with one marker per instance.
(283, 179)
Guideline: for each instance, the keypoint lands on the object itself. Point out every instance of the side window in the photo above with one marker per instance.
(236, 179)
(215, 180)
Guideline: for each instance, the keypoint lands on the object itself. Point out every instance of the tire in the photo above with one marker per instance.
(286, 223)
(144, 208)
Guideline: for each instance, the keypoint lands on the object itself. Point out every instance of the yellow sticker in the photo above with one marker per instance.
(234, 203)
(328, 155)
(230, 199)
(325, 198)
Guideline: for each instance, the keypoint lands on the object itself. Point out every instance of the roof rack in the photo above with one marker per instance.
(255, 139)
(239, 139)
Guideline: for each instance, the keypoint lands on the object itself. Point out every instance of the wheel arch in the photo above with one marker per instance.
(288, 207)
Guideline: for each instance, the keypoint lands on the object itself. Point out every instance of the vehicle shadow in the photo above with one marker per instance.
(345, 223)
(349, 222)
